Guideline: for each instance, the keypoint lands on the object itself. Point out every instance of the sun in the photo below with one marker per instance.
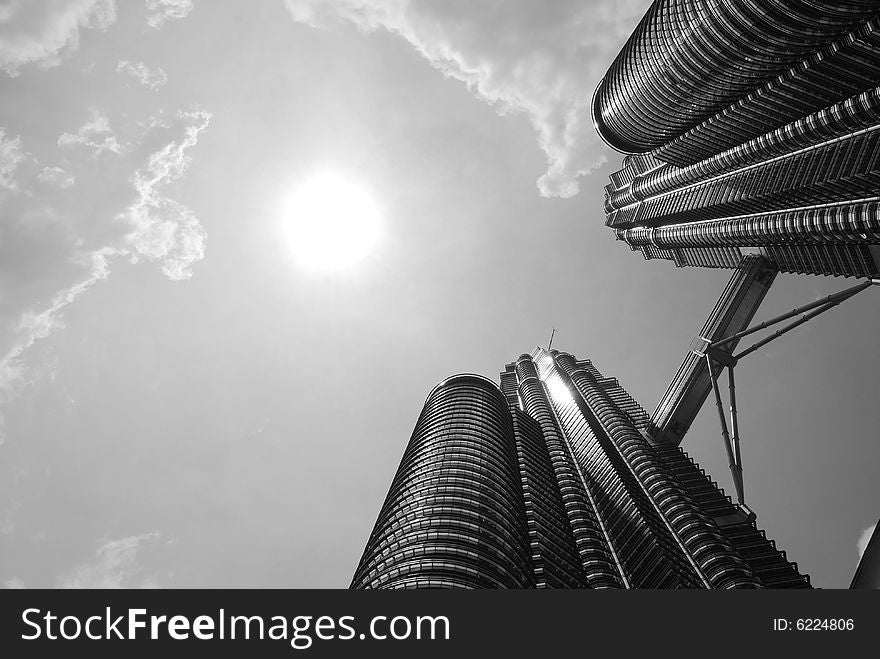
(331, 223)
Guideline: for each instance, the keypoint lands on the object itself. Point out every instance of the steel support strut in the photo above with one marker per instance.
(734, 427)
(717, 357)
(831, 300)
(735, 468)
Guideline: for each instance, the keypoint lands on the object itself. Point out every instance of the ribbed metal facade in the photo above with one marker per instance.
(547, 482)
(751, 127)
(454, 516)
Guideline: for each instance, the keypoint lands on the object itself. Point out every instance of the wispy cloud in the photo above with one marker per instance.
(540, 59)
(116, 565)
(864, 539)
(152, 78)
(95, 135)
(11, 155)
(44, 32)
(59, 240)
(57, 177)
(33, 325)
(164, 229)
(160, 11)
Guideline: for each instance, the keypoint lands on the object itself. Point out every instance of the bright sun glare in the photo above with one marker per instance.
(331, 223)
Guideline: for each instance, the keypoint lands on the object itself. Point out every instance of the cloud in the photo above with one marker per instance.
(57, 241)
(864, 539)
(44, 32)
(540, 59)
(56, 176)
(163, 228)
(34, 325)
(11, 156)
(14, 584)
(94, 135)
(159, 11)
(116, 565)
(152, 78)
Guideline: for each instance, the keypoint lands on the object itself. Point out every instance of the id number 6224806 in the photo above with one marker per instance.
(814, 624)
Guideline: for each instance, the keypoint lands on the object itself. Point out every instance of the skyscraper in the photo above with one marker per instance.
(547, 482)
(750, 127)
(752, 134)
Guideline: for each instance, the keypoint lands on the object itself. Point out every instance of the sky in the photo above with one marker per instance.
(186, 402)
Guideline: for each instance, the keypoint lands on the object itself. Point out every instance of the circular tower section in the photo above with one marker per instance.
(454, 516)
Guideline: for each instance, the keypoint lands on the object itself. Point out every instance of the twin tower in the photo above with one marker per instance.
(546, 482)
(752, 138)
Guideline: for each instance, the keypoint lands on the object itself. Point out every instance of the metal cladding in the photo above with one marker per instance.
(548, 483)
(597, 562)
(752, 127)
(867, 574)
(678, 525)
(689, 59)
(454, 516)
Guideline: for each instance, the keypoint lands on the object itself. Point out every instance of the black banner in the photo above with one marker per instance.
(429, 623)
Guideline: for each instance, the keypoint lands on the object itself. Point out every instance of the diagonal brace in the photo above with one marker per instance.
(716, 356)
(824, 304)
(731, 445)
